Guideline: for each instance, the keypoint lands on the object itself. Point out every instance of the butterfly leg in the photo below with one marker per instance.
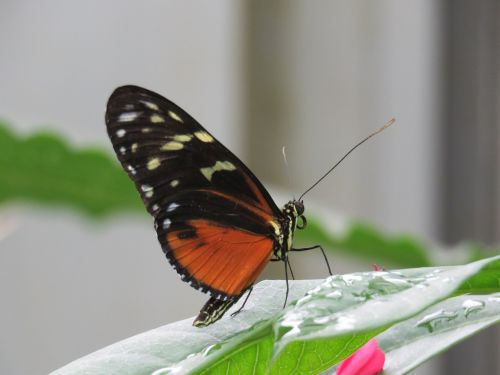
(244, 302)
(322, 251)
(285, 260)
(290, 267)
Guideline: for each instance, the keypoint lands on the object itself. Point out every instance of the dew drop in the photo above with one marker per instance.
(322, 320)
(292, 322)
(210, 349)
(351, 279)
(314, 291)
(336, 294)
(429, 321)
(471, 306)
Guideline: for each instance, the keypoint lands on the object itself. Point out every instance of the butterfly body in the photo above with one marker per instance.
(216, 223)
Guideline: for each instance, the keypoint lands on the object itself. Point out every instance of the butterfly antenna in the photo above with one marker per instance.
(287, 169)
(389, 123)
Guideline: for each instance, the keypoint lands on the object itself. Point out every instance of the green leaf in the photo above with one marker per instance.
(330, 322)
(44, 169)
(487, 281)
(414, 341)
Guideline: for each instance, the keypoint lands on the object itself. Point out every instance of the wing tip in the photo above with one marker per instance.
(127, 89)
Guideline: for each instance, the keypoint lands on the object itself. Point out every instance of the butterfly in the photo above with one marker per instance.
(217, 224)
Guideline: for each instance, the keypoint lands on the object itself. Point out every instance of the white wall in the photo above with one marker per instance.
(61, 60)
(355, 65)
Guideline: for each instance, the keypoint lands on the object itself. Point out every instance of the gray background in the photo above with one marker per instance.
(314, 76)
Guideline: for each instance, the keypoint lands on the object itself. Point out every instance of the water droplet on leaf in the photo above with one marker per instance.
(471, 306)
(430, 321)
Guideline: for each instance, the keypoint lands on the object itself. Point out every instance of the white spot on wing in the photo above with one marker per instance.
(175, 116)
(172, 206)
(155, 207)
(174, 183)
(134, 147)
(172, 146)
(150, 105)
(182, 137)
(128, 116)
(146, 130)
(123, 150)
(204, 136)
(155, 119)
(166, 223)
(153, 163)
(219, 166)
(148, 190)
(120, 133)
(131, 169)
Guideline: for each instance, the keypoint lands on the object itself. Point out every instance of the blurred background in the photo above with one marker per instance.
(312, 76)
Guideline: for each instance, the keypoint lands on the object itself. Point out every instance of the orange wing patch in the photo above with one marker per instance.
(226, 259)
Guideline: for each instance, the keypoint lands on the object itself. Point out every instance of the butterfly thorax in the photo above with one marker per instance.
(291, 212)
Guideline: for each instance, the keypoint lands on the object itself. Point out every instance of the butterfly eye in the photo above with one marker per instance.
(303, 222)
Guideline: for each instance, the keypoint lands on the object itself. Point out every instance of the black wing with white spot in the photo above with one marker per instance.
(165, 151)
(215, 221)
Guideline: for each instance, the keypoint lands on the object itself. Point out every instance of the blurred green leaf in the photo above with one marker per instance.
(361, 240)
(45, 169)
(334, 318)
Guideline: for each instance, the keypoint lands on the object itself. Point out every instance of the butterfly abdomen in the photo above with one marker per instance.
(212, 311)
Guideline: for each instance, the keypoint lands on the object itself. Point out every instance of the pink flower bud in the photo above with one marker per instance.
(367, 360)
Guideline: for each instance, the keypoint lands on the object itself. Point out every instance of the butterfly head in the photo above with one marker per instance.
(295, 210)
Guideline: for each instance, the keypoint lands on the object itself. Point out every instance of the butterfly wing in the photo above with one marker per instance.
(162, 146)
(214, 219)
